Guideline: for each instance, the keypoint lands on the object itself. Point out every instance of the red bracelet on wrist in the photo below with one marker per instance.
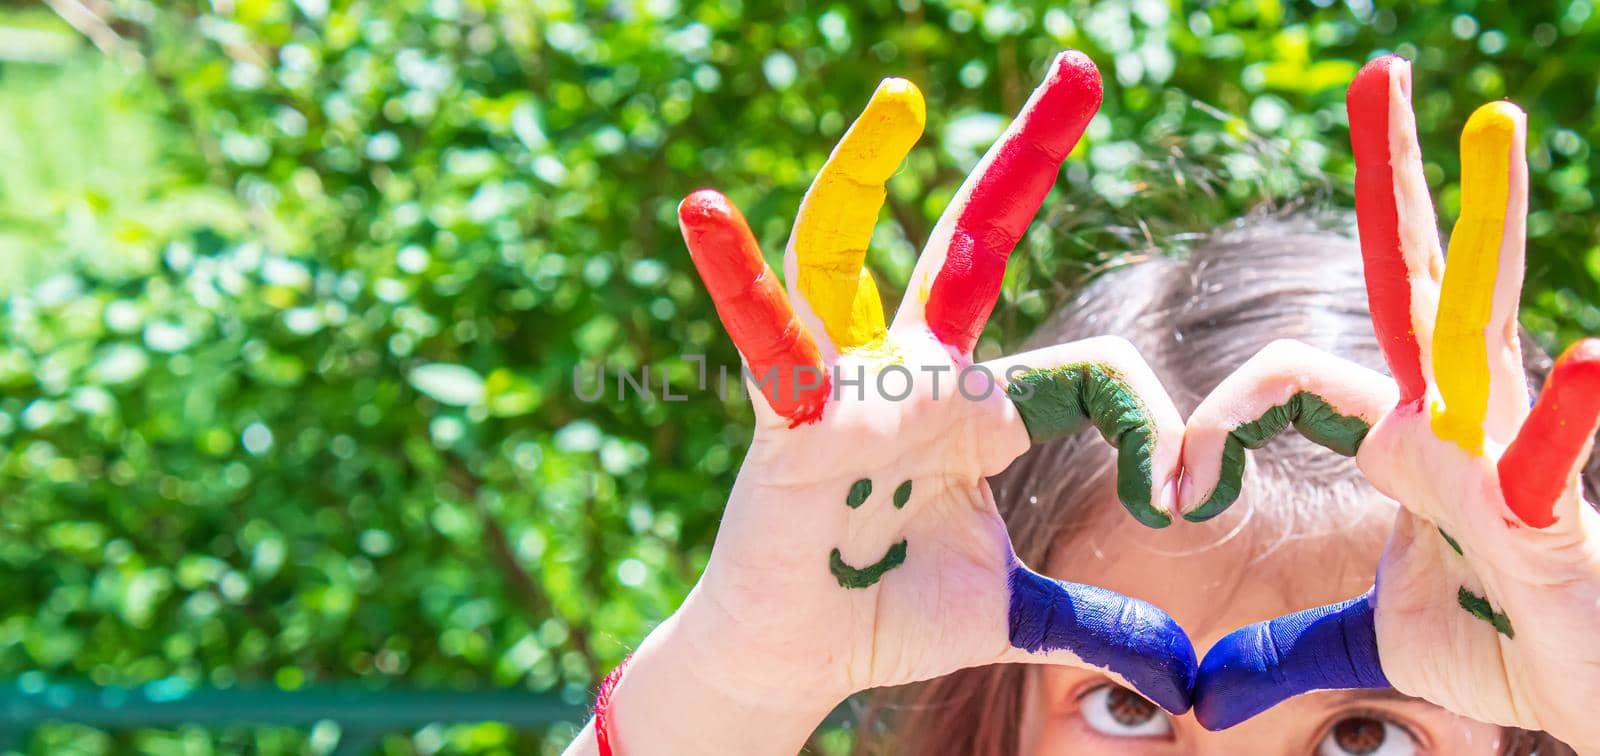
(602, 705)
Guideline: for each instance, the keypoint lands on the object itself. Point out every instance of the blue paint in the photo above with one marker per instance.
(1129, 637)
(1258, 666)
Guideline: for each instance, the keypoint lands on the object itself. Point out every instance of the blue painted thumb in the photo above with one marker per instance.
(1256, 667)
(1128, 637)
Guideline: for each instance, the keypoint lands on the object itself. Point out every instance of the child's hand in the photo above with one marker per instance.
(861, 546)
(1487, 600)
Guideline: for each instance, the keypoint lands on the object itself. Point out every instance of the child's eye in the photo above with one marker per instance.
(1366, 736)
(1116, 711)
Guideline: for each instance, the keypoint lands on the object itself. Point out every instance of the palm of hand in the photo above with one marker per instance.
(1488, 593)
(1509, 611)
(1494, 552)
(869, 539)
(861, 545)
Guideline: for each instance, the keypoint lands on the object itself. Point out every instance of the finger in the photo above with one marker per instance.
(1399, 235)
(1542, 463)
(1256, 667)
(957, 279)
(1128, 638)
(1103, 382)
(839, 211)
(1330, 400)
(753, 307)
(1476, 361)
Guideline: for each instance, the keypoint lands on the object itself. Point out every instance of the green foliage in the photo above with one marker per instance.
(297, 291)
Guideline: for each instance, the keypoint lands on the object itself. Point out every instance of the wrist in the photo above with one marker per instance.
(678, 694)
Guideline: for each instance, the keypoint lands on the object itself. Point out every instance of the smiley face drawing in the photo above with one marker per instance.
(864, 577)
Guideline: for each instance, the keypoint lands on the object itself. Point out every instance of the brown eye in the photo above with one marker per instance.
(1114, 710)
(1367, 736)
(1358, 735)
(1128, 708)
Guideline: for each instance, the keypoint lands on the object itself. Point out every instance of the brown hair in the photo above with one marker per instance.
(1195, 319)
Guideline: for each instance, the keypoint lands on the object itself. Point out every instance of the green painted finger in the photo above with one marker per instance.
(1330, 400)
(1060, 401)
(1309, 413)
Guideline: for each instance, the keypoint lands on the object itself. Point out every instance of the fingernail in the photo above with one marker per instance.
(1167, 500)
(1185, 497)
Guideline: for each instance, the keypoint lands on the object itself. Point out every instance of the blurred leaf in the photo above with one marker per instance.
(454, 385)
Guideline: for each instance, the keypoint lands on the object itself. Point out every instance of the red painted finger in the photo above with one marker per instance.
(1399, 236)
(753, 307)
(1547, 453)
(991, 211)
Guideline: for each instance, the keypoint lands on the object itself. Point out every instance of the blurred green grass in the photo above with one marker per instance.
(296, 292)
(89, 181)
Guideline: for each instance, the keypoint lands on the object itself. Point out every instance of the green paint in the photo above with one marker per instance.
(859, 491)
(902, 495)
(1310, 414)
(1478, 606)
(851, 577)
(1451, 541)
(1058, 402)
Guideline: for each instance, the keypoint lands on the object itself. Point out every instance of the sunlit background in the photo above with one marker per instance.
(295, 293)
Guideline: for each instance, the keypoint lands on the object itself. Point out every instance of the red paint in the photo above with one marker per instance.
(602, 707)
(1539, 464)
(1378, 219)
(752, 305)
(1006, 197)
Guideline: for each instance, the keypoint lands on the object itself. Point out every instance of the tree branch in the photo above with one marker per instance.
(97, 29)
(525, 592)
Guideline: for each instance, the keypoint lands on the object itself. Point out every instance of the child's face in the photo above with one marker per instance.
(1214, 578)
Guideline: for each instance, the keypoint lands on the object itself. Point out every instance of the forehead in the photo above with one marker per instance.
(1254, 562)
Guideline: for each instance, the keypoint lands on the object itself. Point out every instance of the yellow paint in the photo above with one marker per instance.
(866, 314)
(839, 211)
(1460, 342)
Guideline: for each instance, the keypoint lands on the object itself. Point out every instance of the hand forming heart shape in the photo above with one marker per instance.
(1487, 600)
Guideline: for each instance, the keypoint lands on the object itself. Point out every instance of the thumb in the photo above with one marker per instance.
(1256, 667)
(1055, 622)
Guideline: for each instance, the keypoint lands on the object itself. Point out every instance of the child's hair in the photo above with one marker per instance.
(1196, 319)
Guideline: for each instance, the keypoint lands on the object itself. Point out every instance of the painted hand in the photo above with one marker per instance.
(861, 546)
(1487, 599)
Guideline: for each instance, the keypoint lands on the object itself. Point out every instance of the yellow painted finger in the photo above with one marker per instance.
(840, 209)
(866, 315)
(1473, 265)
